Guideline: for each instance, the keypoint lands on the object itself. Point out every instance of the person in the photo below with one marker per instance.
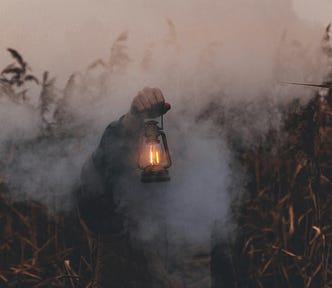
(124, 260)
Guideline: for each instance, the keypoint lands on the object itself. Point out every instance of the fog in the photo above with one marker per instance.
(64, 36)
(233, 54)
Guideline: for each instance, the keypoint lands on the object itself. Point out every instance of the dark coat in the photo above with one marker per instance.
(123, 259)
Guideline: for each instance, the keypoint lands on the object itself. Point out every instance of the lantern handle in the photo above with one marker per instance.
(162, 122)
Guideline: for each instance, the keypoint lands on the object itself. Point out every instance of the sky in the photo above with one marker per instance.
(319, 11)
(67, 35)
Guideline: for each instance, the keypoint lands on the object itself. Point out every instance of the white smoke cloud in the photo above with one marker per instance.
(230, 53)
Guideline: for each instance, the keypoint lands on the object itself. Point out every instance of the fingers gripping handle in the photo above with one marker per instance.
(166, 107)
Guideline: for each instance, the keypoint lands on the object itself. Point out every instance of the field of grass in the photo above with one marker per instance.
(285, 221)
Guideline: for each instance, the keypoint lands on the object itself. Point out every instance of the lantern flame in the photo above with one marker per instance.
(154, 156)
(151, 155)
(157, 157)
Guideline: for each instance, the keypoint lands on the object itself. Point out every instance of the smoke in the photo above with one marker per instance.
(196, 198)
(228, 56)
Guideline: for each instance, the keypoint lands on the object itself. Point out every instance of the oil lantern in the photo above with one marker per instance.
(154, 157)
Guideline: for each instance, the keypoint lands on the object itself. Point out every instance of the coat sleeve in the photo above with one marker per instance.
(95, 199)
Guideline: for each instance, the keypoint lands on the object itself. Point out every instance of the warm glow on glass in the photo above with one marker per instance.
(151, 155)
(154, 154)
(154, 157)
(157, 157)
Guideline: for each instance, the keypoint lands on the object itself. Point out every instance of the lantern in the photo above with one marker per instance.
(154, 157)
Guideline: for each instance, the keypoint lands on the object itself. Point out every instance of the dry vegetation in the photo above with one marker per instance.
(285, 235)
(38, 248)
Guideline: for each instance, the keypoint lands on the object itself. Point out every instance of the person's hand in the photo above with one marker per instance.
(149, 103)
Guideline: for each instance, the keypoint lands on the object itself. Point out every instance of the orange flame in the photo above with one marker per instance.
(157, 157)
(154, 156)
(151, 155)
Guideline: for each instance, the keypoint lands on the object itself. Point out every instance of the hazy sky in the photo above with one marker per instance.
(67, 35)
(314, 10)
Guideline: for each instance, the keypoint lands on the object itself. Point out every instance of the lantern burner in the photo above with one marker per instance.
(154, 173)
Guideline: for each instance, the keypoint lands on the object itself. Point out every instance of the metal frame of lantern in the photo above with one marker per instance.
(154, 157)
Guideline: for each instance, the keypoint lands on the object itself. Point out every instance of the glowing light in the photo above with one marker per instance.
(154, 158)
(157, 157)
(154, 155)
(151, 155)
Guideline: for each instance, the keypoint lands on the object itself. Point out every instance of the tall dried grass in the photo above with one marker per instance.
(285, 223)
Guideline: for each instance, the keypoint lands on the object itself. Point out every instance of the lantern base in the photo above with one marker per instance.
(154, 174)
